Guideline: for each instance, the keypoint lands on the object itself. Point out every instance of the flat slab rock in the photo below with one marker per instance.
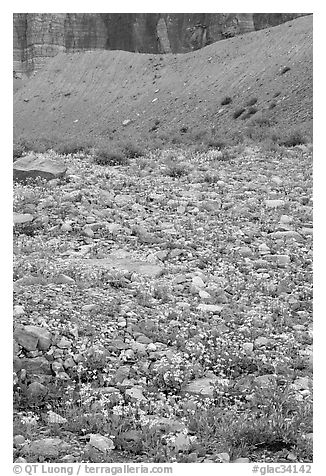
(122, 260)
(203, 387)
(163, 423)
(47, 447)
(32, 166)
(20, 218)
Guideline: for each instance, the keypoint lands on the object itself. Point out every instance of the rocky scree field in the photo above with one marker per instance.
(163, 306)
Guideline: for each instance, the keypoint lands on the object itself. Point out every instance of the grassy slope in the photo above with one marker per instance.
(102, 89)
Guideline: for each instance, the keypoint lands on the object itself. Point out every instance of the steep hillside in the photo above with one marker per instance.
(38, 36)
(117, 93)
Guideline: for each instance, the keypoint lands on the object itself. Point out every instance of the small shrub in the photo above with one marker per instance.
(251, 102)
(226, 100)
(199, 134)
(212, 177)
(184, 129)
(155, 126)
(110, 157)
(132, 150)
(238, 112)
(261, 121)
(289, 138)
(215, 143)
(177, 170)
(295, 138)
(18, 150)
(71, 147)
(251, 111)
(176, 139)
(285, 69)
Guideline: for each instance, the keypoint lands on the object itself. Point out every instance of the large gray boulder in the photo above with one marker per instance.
(32, 337)
(32, 166)
(22, 218)
(122, 260)
(46, 447)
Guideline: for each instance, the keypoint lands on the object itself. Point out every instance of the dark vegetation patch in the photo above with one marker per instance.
(250, 112)
(285, 69)
(226, 100)
(238, 112)
(109, 157)
(291, 139)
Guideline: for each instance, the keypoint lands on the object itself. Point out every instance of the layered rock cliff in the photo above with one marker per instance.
(38, 36)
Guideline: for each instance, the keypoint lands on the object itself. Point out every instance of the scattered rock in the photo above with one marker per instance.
(24, 338)
(302, 383)
(264, 249)
(19, 440)
(223, 457)
(63, 279)
(89, 307)
(36, 366)
(261, 341)
(274, 203)
(102, 443)
(285, 219)
(18, 311)
(129, 264)
(68, 459)
(169, 425)
(182, 442)
(290, 234)
(281, 260)
(248, 346)
(36, 389)
(53, 417)
(265, 381)
(245, 251)
(64, 343)
(27, 335)
(135, 394)
(66, 227)
(198, 282)
(292, 457)
(277, 180)
(215, 309)
(203, 387)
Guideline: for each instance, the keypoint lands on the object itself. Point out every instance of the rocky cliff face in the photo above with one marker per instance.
(38, 36)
